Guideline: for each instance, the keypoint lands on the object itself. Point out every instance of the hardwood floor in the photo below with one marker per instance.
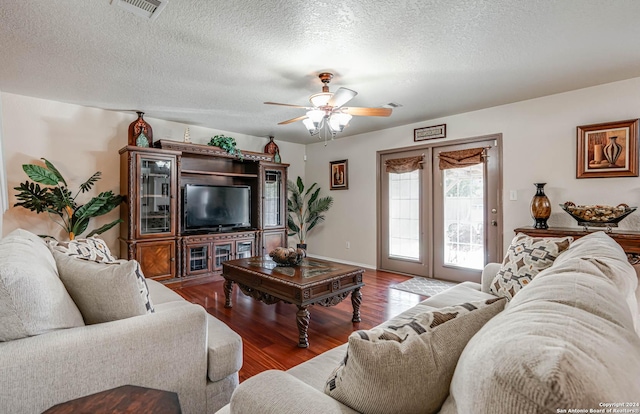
(270, 334)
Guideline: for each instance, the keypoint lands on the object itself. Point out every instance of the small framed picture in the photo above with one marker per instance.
(339, 179)
(430, 132)
(608, 150)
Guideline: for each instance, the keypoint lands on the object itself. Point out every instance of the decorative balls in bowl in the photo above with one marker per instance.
(598, 214)
(287, 256)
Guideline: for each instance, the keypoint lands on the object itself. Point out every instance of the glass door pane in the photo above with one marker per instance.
(464, 216)
(404, 215)
(222, 253)
(198, 258)
(272, 199)
(155, 200)
(244, 249)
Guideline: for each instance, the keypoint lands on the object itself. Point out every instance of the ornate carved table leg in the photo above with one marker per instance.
(356, 300)
(228, 288)
(302, 318)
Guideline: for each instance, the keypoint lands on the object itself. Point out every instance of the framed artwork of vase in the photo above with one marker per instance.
(339, 175)
(608, 150)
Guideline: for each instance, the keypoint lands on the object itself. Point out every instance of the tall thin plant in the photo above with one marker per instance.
(305, 208)
(60, 203)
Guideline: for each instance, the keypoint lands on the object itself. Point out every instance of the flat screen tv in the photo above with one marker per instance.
(215, 207)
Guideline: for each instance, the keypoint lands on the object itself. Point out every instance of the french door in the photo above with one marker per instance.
(405, 209)
(442, 223)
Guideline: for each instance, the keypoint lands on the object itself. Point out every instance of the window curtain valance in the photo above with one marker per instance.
(461, 158)
(404, 165)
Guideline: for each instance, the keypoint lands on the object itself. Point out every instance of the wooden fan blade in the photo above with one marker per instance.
(355, 111)
(289, 121)
(341, 97)
(283, 104)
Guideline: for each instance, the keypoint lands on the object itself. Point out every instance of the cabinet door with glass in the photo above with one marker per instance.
(244, 249)
(274, 197)
(222, 251)
(198, 259)
(156, 201)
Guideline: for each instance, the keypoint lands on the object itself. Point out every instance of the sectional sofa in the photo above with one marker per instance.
(567, 340)
(54, 348)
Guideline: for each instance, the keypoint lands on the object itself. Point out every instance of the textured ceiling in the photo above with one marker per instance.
(214, 63)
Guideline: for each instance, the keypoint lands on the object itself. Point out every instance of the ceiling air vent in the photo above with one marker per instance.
(148, 9)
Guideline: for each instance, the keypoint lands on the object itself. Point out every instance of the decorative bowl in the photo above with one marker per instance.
(598, 215)
(287, 256)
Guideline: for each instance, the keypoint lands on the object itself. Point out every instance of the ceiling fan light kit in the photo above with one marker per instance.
(320, 99)
(326, 113)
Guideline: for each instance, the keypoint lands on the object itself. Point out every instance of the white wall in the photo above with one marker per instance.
(80, 141)
(539, 145)
(539, 139)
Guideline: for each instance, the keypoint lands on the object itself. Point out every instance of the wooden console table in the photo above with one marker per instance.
(628, 240)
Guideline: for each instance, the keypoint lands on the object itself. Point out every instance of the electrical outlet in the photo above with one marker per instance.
(348, 245)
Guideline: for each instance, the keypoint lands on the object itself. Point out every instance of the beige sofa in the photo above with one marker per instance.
(565, 341)
(178, 348)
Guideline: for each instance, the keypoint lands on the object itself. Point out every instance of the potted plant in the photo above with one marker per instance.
(60, 203)
(226, 143)
(305, 209)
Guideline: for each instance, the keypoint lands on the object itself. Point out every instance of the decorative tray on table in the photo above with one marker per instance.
(598, 215)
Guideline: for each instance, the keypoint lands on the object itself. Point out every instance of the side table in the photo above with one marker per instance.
(121, 400)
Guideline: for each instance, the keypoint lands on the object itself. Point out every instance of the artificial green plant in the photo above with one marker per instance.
(226, 143)
(305, 208)
(60, 203)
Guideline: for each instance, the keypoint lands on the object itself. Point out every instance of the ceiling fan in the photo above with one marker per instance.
(327, 109)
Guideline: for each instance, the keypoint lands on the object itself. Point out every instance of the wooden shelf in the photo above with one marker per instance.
(190, 148)
(219, 173)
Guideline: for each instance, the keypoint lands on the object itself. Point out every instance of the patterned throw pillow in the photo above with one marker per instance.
(91, 248)
(527, 256)
(406, 365)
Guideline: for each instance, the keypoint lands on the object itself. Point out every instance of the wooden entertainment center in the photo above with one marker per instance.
(152, 180)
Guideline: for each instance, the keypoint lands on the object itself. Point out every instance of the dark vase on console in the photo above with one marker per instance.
(540, 207)
(138, 127)
(271, 147)
(302, 246)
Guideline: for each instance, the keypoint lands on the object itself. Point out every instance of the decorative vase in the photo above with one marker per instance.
(540, 207)
(271, 147)
(302, 246)
(276, 158)
(138, 127)
(612, 151)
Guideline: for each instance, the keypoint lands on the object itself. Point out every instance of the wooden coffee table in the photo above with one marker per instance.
(313, 281)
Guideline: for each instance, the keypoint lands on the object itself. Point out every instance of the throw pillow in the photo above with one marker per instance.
(33, 300)
(90, 248)
(407, 365)
(526, 257)
(104, 292)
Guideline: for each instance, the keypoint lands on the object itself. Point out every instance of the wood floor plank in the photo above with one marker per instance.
(269, 332)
